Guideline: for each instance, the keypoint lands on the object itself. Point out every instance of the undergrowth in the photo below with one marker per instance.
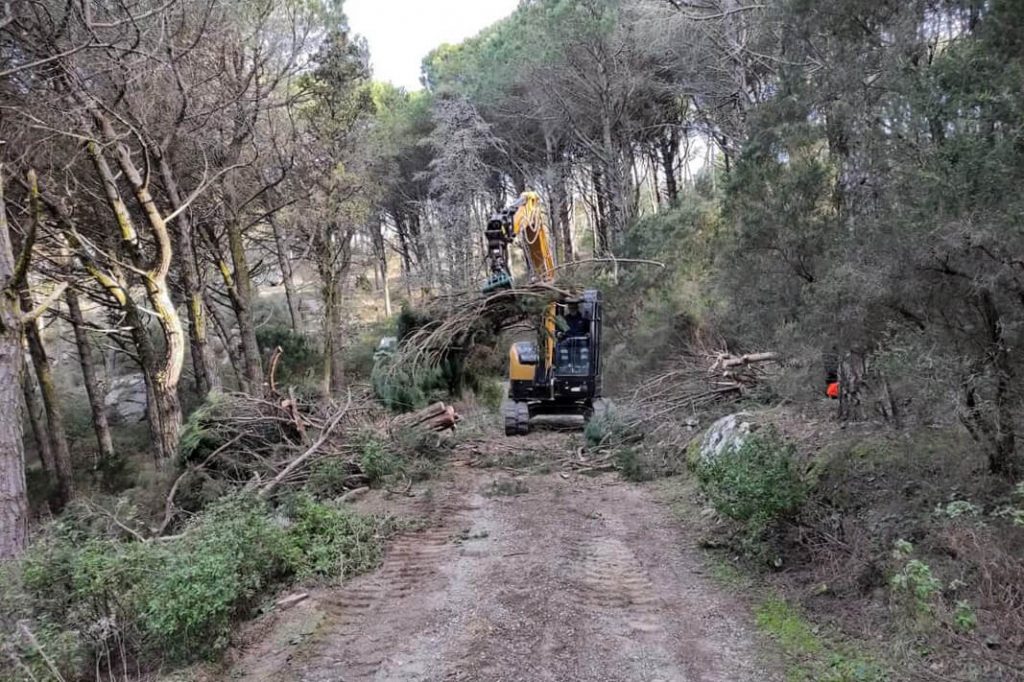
(811, 656)
(754, 484)
(80, 602)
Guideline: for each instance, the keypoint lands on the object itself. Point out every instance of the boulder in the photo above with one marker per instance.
(126, 399)
(726, 434)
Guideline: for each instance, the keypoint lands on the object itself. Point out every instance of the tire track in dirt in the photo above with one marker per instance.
(354, 647)
(612, 578)
(580, 579)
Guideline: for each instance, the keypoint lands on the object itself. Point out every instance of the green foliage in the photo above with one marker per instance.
(327, 477)
(377, 461)
(964, 617)
(212, 577)
(403, 390)
(630, 463)
(653, 312)
(786, 625)
(329, 540)
(913, 583)
(958, 508)
(300, 361)
(490, 392)
(755, 483)
(196, 438)
(91, 599)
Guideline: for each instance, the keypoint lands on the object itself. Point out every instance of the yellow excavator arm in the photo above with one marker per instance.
(524, 220)
(530, 226)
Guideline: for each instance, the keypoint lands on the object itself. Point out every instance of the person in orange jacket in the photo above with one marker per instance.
(832, 374)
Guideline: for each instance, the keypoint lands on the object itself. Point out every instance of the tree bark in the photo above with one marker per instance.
(92, 385)
(669, 149)
(165, 371)
(240, 292)
(13, 491)
(34, 413)
(1002, 456)
(334, 366)
(386, 286)
(13, 496)
(51, 404)
(601, 241)
(199, 345)
(224, 333)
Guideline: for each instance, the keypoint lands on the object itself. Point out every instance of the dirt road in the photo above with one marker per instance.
(542, 578)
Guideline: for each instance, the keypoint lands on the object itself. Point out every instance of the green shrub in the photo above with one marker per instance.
(300, 361)
(90, 600)
(914, 583)
(377, 460)
(328, 477)
(632, 465)
(216, 571)
(490, 391)
(964, 617)
(755, 483)
(331, 541)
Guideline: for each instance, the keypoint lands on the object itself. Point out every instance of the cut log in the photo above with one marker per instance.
(437, 417)
(726, 361)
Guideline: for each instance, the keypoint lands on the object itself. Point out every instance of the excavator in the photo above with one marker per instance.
(560, 373)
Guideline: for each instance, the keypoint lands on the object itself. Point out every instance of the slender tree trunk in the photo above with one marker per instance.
(564, 212)
(334, 367)
(287, 276)
(241, 300)
(165, 370)
(51, 403)
(601, 220)
(225, 338)
(202, 358)
(13, 490)
(669, 148)
(1002, 457)
(386, 285)
(92, 384)
(34, 412)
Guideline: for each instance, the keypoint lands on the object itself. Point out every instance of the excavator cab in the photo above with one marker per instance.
(570, 383)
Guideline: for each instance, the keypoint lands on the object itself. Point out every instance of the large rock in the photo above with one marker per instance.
(725, 435)
(126, 399)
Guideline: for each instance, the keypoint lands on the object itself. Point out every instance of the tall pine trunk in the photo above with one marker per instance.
(13, 491)
(199, 345)
(34, 413)
(241, 294)
(334, 365)
(51, 404)
(93, 389)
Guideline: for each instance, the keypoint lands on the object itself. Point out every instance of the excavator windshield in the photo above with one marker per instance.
(572, 357)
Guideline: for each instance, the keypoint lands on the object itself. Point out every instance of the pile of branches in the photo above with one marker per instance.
(454, 321)
(266, 445)
(697, 382)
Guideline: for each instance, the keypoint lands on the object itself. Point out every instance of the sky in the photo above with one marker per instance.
(401, 32)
